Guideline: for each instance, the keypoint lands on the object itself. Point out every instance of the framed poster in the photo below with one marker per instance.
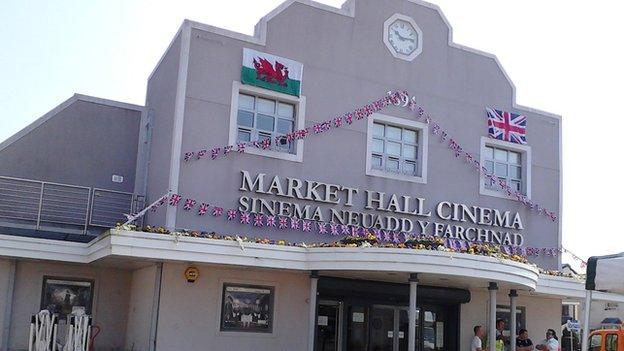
(247, 308)
(64, 295)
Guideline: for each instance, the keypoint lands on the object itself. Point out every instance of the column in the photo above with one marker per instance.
(8, 306)
(493, 288)
(312, 317)
(513, 294)
(585, 326)
(155, 306)
(411, 335)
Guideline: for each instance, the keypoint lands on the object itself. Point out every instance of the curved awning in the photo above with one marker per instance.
(326, 259)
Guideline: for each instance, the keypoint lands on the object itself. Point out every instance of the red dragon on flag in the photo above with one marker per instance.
(266, 72)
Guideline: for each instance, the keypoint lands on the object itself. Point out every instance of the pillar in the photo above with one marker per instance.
(513, 294)
(493, 288)
(155, 307)
(312, 316)
(585, 326)
(8, 306)
(411, 336)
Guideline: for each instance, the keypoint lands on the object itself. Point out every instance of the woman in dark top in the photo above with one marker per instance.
(523, 343)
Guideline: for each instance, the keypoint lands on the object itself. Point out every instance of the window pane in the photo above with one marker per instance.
(489, 153)
(515, 172)
(409, 135)
(516, 185)
(245, 118)
(611, 342)
(514, 157)
(409, 168)
(489, 165)
(500, 155)
(263, 136)
(283, 143)
(376, 161)
(285, 146)
(595, 342)
(393, 133)
(393, 148)
(378, 129)
(285, 110)
(284, 126)
(243, 135)
(392, 164)
(265, 122)
(501, 169)
(409, 151)
(245, 101)
(378, 145)
(266, 106)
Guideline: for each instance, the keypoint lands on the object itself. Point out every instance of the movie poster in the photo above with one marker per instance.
(247, 308)
(64, 296)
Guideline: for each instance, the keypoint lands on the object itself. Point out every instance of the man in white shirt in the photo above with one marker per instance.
(479, 332)
(550, 343)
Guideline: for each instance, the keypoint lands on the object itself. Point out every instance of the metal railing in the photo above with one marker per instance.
(54, 206)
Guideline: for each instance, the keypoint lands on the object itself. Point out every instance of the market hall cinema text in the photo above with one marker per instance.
(390, 212)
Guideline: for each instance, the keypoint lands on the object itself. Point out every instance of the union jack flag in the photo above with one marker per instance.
(270, 221)
(507, 126)
(322, 228)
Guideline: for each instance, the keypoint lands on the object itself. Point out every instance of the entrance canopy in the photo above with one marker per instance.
(606, 273)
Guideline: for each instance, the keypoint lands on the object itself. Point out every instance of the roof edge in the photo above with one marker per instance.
(62, 106)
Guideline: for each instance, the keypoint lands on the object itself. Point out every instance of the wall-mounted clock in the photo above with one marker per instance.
(402, 37)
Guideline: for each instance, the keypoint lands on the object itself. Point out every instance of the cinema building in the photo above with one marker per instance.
(345, 179)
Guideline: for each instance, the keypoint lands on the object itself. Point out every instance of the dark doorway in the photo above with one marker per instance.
(373, 316)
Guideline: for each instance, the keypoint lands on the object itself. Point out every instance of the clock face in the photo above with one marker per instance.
(402, 37)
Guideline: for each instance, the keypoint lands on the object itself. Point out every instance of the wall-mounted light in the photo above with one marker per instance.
(191, 274)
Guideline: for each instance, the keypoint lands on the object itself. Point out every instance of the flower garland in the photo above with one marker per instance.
(416, 243)
(259, 220)
(395, 98)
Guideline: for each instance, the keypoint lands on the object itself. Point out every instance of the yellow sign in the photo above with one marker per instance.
(191, 274)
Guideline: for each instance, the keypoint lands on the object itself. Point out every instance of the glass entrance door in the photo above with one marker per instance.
(382, 329)
(328, 326)
(389, 328)
(433, 320)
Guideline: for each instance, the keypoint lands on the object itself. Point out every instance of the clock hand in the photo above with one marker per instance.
(402, 37)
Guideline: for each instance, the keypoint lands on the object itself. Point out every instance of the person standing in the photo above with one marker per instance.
(476, 344)
(502, 341)
(551, 343)
(523, 343)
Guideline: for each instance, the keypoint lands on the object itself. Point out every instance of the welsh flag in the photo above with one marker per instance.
(271, 72)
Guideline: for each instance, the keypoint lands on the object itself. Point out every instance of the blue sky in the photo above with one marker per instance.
(564, 57)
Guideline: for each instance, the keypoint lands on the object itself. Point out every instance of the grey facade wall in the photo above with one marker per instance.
(84, 144)
(160, 104)
(346, 65)
(189, 316)
(110, 300)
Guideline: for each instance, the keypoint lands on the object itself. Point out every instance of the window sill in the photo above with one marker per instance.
(396, 176)
(494, 193)
(298, 157)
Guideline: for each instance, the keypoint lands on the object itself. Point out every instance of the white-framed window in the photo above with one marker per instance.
(508, 161)
(396, 148)
(257, 114)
